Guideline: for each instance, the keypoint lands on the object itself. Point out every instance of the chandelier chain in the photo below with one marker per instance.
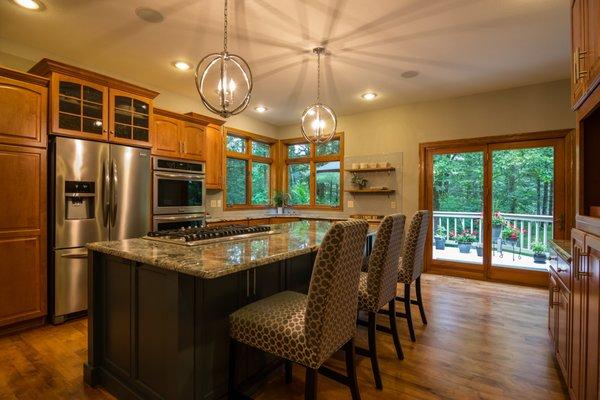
(225, 28)
(318, 77)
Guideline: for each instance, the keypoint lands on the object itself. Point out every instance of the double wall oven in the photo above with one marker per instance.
(179, 194)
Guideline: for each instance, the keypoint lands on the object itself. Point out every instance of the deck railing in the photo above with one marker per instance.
(538, 228)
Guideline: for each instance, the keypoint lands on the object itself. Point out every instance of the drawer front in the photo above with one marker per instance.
(561, 268)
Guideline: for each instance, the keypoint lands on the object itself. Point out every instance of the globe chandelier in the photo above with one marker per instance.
(224, 80)
(319, 121)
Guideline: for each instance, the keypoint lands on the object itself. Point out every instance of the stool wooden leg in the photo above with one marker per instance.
(420, 301)
(288, 371)
(351, 369)
(394, 329)
(373, 349)
(310, 386)
(411, 329)
(231, 388)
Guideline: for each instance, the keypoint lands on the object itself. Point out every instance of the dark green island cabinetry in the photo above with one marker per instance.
(158, 313)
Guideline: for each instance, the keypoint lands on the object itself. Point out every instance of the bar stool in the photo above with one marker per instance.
(377, 287)
(308, 329)
(411, 267)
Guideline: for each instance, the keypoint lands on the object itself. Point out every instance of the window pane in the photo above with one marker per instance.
(299, 183)
(299, 150)
(328, 183)
(260, 183)
(236, 144)
(236, 181)
(331, 147)
(261, 149)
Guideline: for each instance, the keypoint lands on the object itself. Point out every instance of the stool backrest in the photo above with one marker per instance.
(330, 319)
(383, 262)
(414, 246)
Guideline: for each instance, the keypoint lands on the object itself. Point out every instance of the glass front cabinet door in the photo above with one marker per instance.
(79, 108)
(129, 118)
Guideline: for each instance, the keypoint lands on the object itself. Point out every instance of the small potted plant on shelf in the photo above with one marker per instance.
(479, 249)
(511, 234)
(440, 238)
(359, 181)
(279, 200)
(464, 240)
(498, 222)
(539, 253)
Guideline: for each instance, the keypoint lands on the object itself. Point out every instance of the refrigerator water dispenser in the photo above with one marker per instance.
(80, 199)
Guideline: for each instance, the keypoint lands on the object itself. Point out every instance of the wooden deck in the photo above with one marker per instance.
(484, 341)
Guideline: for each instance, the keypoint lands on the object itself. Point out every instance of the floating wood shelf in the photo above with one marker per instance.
(386, 169)
(374, 191)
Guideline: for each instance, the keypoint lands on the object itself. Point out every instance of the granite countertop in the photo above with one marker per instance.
(233, 218)
(218, 259)
(562, 248)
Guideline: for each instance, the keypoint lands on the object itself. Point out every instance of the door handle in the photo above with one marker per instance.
(75, 255)
(115, 192)
(106, 194)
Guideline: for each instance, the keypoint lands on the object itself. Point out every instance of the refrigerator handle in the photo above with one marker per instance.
(115, 192)
(106, 194)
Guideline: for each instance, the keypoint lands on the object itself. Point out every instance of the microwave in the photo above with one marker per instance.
(178, 187)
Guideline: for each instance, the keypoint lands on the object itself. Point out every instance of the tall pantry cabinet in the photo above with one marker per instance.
(23, 138)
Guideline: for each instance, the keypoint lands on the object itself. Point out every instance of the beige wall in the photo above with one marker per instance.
(22, 59)
(401, 129)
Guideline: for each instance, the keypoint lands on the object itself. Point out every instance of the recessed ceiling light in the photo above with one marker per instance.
(181, 65)
(149, 15)
(409, 74)
(368, 96)
(30, 4)
(261, 109)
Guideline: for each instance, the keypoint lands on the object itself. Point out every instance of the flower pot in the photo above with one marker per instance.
(479, 251)
(464, 248)
(539, 258)
(440, 243)
(496, 229)
(279, 210)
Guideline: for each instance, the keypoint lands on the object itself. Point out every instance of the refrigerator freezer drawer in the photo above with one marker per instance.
(70, 281)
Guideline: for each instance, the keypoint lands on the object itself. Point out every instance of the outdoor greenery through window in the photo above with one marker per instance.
(313, 173)
(248, 172)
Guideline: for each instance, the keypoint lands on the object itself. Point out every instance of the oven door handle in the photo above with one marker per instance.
(178, 217)
(186, 177)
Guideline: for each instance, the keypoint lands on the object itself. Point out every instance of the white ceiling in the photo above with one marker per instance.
(459, 47)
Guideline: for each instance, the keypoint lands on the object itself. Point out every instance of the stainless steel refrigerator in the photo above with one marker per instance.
(99, 191)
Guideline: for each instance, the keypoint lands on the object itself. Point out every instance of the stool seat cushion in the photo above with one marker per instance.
(276, 325)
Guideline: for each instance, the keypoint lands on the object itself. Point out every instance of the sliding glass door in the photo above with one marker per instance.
(495, 206)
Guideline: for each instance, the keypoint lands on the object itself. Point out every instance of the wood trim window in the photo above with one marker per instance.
(249, 174)
(313, 174)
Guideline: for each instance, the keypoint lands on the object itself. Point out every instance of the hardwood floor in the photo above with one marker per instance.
(484, 341)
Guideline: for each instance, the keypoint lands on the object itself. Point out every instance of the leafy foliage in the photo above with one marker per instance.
(260, 183)
(236, 181)
(299, 183)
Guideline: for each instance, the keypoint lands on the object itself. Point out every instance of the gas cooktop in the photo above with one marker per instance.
(203, 235)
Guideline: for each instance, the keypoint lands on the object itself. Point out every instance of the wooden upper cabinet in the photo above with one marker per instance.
(214, 157)
(129, 119)
(23, 109)
(593, 27)
(88, 105)
(578, 51)
(78, 108)
(166, 141)
(192, 141)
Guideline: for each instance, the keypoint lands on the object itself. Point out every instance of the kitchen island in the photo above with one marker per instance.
(158, 312)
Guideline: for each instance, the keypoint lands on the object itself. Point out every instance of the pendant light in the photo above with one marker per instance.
(318, 120)
(224, 80)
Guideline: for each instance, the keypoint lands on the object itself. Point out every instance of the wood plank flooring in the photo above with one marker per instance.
(484, 341)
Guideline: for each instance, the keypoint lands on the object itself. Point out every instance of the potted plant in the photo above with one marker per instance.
(498, 222)
(511, 234)
(464, 240)
(278, 200)
(440, 238)
(479, 248)
(539, 253)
